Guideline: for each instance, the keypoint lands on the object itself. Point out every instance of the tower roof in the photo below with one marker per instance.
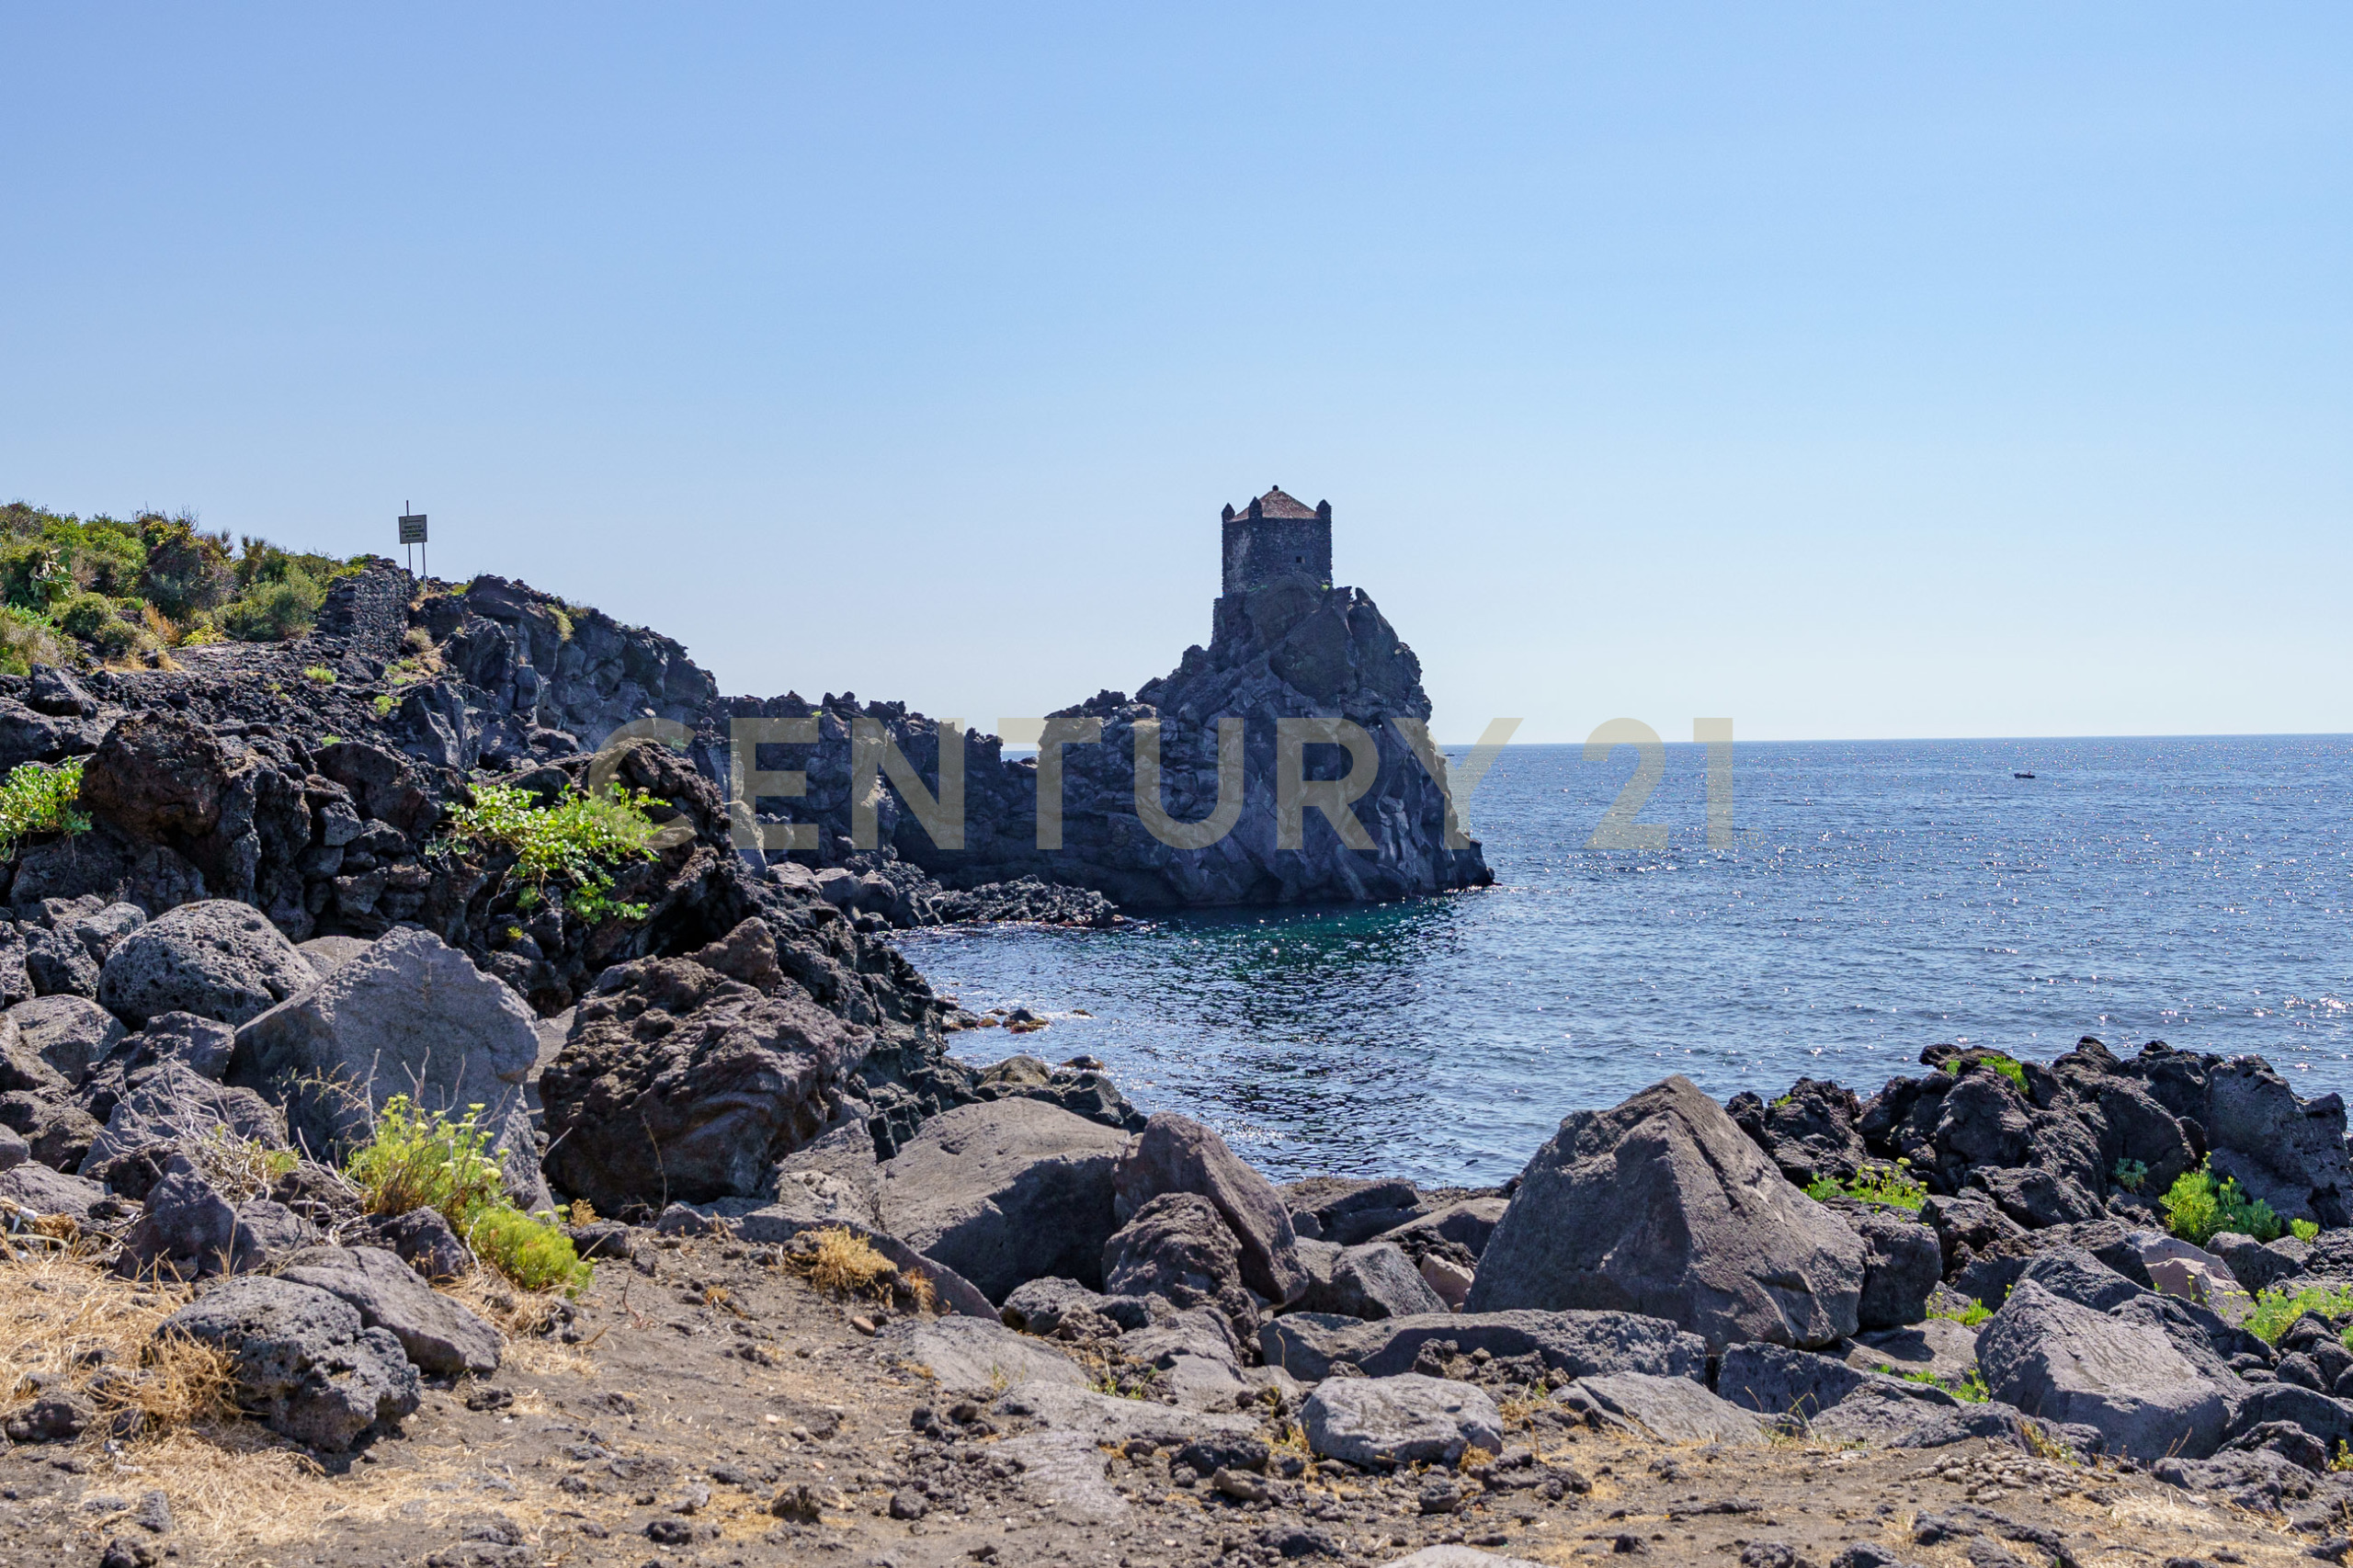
(1276, 503)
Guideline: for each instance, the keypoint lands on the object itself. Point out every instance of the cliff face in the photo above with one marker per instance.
(1287, 652)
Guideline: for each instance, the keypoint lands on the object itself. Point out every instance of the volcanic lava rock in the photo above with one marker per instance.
(1663, 1206)
(216, 959)
(692, 1077)
(302, 1360)
(1175, 1154)
(409, 1016)
(1005, 1192)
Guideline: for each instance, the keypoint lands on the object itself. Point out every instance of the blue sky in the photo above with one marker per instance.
(1850, 370)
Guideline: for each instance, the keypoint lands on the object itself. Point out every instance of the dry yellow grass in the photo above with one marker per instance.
(233, 1487)
(848, 1265)
(65, 1324)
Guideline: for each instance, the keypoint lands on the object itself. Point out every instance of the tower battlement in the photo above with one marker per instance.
(1276, 536)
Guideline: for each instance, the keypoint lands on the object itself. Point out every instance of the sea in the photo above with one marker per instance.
(1870, 899)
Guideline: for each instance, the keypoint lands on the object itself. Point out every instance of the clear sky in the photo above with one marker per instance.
(1858, 370)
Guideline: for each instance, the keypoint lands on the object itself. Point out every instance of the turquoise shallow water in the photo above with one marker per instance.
(1877, 897)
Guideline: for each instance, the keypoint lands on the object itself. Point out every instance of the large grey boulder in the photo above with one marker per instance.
(187, 1229)
(1662, 1206)
(409, 1016)
(1372, 1281)
(174, 1103)
(1346, 1211)
(73, 1034)
(2328, 1421)
(216, 957)
(302, 1359)
(2074, 1275)
(23, 1070)
(56, 1131)
(1177, 1246)
(1671, 1410)
(1194, 1354)
(1467, 1225)
(965, 1355)
(1884, 1417)
(2258, 1266)
(1778, 1380)
(1307, 1345)
(1175, 1154)
(435, 1331)
(1380, 1423)
(1068, 1311)
(687, 1079)
(1937, 1346)
(2065, 1362)
(1005, 1191)
(2287, 1151)
(47, 1191)
(1902, 1265)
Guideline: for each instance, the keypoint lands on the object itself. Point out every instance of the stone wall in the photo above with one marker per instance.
(1259, 550)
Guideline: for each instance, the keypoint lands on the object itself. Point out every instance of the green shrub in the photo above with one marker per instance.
(36, 800)
(2197, 1209)
(571, 843)
(420, 1160)
(1891, 1184)
(27, 640)
(275, 610)
(97, 619)
(35, 576)
(186, 570)
(2302, 1230)
(83, 614)
(320, 674)
(534, 1253)
(2276, 1309)
(2007, 1066)
(2129, 1173)
(383, 705)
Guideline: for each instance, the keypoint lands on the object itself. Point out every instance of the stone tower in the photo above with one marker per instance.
(1276, 536)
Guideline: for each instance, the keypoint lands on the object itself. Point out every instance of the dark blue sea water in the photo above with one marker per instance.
(1877, 897)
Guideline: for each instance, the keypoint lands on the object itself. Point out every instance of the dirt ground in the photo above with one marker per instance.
(711, 1396)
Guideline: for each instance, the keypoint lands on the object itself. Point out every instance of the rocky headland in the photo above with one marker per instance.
(843, 1296)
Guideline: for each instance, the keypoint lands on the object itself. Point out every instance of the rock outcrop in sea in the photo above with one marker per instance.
(1212, 731)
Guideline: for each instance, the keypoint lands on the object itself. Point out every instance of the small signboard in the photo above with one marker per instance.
(413, 528)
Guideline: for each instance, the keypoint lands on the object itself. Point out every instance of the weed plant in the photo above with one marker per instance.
(423, 1160)
(35, 800)
(2197, 1209)
(566, 849)
(1893, 1186)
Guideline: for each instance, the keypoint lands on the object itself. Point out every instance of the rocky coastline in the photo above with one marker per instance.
(891, 1302)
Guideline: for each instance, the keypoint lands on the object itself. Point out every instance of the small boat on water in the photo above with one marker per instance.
(2021, 775)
